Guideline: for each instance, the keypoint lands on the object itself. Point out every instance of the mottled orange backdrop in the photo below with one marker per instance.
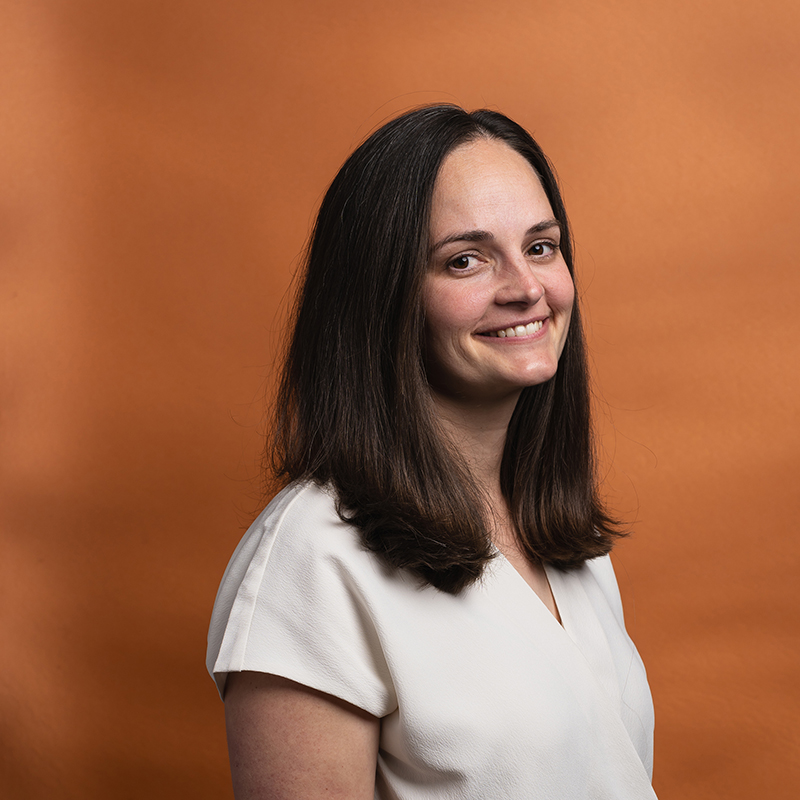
(160, 164)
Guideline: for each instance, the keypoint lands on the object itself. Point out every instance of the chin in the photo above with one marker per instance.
(541, 374)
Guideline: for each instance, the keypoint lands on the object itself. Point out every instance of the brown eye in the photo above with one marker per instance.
(542, 249)
(461, 262)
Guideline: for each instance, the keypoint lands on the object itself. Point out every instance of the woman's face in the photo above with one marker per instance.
(498, 295)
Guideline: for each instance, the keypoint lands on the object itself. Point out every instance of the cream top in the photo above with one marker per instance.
(483, 695)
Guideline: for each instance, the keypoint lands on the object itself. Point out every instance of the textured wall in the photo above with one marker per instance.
(159, 168)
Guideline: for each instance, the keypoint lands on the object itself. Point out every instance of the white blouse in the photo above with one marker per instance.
(482, 696)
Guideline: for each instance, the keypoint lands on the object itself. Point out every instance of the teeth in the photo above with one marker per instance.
(519, 330)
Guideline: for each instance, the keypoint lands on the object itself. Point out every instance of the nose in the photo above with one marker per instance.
(518, 283)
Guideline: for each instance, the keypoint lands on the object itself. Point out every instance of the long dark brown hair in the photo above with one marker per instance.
(354, 408)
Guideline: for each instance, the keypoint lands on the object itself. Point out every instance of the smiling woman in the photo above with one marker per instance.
(427, 609)
(498, 296)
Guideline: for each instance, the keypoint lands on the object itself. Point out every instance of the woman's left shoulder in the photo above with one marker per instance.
(601, 572)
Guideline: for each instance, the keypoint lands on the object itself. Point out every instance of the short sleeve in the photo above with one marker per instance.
(294, 602)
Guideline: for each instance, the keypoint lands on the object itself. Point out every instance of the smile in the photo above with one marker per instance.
(518, 330)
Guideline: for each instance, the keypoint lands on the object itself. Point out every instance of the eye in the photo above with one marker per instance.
(542, 249)
(462, 262)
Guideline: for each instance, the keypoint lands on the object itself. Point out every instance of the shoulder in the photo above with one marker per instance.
(299, 522)
(601, 572)
(298, 508)
(294, 602)
(287, 546)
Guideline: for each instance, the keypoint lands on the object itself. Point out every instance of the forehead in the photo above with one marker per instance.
(484, 180)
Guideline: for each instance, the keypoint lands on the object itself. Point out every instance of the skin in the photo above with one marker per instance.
(287, 741)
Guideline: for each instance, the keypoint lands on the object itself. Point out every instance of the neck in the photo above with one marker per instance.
(478, 431)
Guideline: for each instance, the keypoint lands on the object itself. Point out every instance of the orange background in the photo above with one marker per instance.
(160, 163)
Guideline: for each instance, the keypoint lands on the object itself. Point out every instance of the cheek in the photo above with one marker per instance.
(562, 292)
(561, 298)
(450, 311)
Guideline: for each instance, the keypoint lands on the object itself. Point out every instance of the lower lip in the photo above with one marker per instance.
(518, 339)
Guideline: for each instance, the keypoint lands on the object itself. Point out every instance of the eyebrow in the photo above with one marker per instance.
(485, 236)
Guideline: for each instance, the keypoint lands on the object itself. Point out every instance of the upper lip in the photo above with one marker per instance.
(502, 327)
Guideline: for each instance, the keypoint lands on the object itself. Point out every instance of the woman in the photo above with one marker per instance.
(427, 610)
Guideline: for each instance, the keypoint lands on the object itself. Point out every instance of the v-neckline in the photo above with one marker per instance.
(558, 617)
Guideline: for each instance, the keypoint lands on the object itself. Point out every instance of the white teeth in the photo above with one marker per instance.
(518, 330)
